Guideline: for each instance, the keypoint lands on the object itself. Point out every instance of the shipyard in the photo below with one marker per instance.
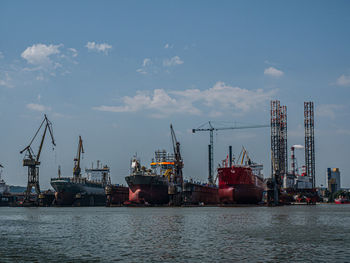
(235, 181)
(174, 131)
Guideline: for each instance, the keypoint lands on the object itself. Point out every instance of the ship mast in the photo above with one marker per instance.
(77, 169)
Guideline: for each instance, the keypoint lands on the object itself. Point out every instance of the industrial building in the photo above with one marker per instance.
(333, 180)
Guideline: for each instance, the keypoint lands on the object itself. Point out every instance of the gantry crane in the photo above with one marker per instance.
(31, 160)
(177, 181)
(77, 169)
(211, 130)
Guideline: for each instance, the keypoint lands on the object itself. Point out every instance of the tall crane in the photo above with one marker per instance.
(77, 169)
(31, 160)
(178, 159)
(211, 130)
(176, 184)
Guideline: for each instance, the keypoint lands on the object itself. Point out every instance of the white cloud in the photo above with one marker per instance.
(39, 54)
(104, 47)
(141, 70)
(37, 107)
(176, 60)
(343, 80)
(1, 55)
(6, 81)
(221, 96)
(146, 62)
(328, 110)
(167, 45)
(74, 52)
(273, 72)
(40, 78)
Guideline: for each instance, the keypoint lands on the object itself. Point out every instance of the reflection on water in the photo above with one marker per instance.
(99, 234)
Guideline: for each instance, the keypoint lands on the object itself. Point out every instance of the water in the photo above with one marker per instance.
(197, 234)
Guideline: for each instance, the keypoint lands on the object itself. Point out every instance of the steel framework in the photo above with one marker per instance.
(309, 140)
(279, 147)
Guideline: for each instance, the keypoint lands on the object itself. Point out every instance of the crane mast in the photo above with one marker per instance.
(176, 184)
(32, 160)
(77, 169)
(211, 130)
(178, 158)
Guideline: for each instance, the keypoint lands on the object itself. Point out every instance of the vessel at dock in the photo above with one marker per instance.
(116, 194)
(241, 183)
(196, 193)
(150, 186)
(342, 200)
(5, 197)
(88, 190)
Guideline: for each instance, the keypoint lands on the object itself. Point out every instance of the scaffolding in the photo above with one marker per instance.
(283, 142)
(309, 140)
(279, 147)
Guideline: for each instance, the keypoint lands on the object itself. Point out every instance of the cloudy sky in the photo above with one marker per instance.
(118, 73)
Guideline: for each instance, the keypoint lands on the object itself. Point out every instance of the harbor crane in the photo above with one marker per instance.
(176, 185)
(208, 126)
(77, 169)
(178, 159)
(31, 160)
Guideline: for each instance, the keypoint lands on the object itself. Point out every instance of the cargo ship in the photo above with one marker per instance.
(5, 197)
(196, 193)
(116, 194)
(88, 190)
(241, 183)
(150, 186)
(81, 190)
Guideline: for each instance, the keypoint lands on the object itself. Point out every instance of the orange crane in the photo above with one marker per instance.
(77, 169)
(31, 160)
(211, 130)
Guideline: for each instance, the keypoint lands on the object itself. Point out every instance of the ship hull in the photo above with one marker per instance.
(152, 190)
(239, 185)
(340, 201)
(197, 194)
(74, 192)
(116, 195)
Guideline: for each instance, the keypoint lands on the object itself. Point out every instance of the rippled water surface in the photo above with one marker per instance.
(196, 234)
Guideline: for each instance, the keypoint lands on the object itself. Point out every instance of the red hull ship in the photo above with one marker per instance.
(342, 201)
(241, 184)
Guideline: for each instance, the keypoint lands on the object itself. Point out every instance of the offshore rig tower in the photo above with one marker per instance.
(309, 141)
(279, 151)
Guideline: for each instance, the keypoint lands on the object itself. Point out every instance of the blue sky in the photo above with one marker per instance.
(119, 72)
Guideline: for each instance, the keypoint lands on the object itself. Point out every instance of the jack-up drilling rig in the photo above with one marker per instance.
(176, 184)
(31, 160)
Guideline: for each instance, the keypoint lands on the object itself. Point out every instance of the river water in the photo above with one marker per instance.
(318, 233)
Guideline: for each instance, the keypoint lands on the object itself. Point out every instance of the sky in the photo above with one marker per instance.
(118, 73)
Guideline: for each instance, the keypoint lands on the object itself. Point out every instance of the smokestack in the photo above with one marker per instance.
(210, 177)
(230, 155)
